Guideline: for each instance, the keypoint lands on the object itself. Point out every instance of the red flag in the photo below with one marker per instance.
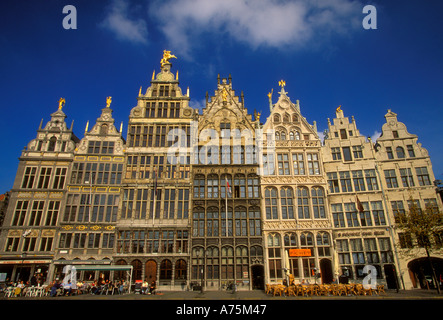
(359, 205)
(228, 187)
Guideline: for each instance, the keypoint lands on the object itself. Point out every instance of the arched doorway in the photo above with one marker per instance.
(258, 277)
(326, 271)
(137, 271)
(151, 271)
(421, 273)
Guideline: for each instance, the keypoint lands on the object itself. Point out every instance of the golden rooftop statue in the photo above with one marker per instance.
(166, 56)
(108, 101)
(282, 83)
(338, 109)
(61, 103)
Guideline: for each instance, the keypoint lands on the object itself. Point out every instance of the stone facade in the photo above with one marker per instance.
(217, 197)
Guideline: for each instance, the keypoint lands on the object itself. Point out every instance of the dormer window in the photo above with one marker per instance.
(395, 134)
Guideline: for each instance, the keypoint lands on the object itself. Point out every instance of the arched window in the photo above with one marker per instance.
(51, 145)
(287, 203)
(227, 263)
(276, 118)
(104, 129)
(166, 270)
(241, 261)
(323, 244)
(197, 262)
(283, 135)
(286, 118)
(303, 203)
(277, 136)
(240, 186)
(271, 203)
(241, 221)
(198, 222)
(308, 263)
(400, 152)
(318, 202)
(180, 269)
(294, 118)
(291, 135)
(297, 135)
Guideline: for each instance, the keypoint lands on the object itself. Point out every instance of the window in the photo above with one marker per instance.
(343, 134)
(313, 163)
(359, 182)
(347, 154)
(389, 153)
(400, 152)
(253, 188)
(199, 186)
(337, 215)
(423, 176)
(36, 213)
(20, 213)
(395, 134)
(323, 244)
(59, 178)
(298, 163)
(274, 256)
(52, 214)
(351, 215)
(287, 203)
(318, 202)
(336, 154)
(271, 203)
(168, 204)
(283, 164)
(371, 179)
(333, 182)
(345, 181)
(378, 213)
(357, 151)
(357, 251)
(240, 186)
(406, 177)
(254, 222)
(52, 143)
(29, 177)
(391, 178)
(45, 176)
(241, 222)
(397, 209)
(227, 263)
(411, 151)
(212, 186)
(166, 270)
(303, 203)
(212, 222)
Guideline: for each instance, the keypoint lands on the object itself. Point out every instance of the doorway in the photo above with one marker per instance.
(258, 277)
(151, 271)
(391, 276)
(326, 271)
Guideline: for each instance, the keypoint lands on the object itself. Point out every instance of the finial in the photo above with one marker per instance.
(153, 75)
(176, 76)
(87, 125)
(282, 83)
(61, 103)
(338, 109)
(121, 127)
(108, 101)
(140, 91)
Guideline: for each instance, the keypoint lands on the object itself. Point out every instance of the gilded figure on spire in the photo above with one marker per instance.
(61, 103)
(166, 56)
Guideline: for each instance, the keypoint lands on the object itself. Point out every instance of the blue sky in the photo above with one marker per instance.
(319, 48)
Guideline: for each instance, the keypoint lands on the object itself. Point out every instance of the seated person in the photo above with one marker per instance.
(67, 287)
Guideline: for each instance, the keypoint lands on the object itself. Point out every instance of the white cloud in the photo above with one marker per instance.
(375, 136)
(270, 23)
(125, 28)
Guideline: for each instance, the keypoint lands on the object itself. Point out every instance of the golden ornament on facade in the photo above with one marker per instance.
(108, 101)
(282, 83)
